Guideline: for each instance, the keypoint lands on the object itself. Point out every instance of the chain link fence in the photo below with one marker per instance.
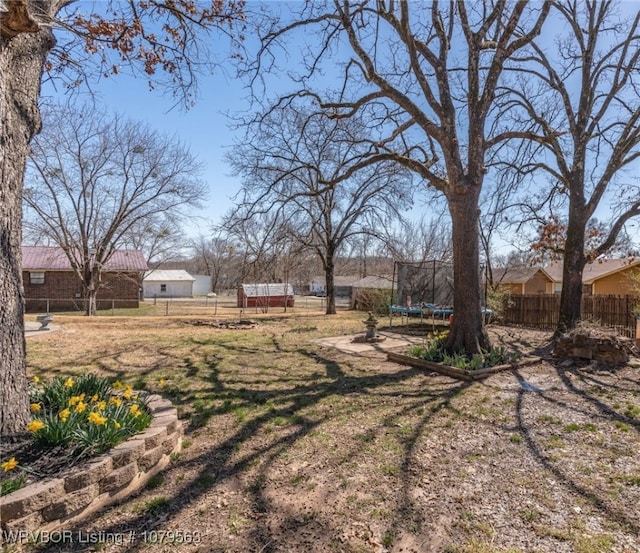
(219, 306)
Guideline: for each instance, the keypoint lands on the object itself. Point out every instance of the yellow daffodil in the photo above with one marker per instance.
(35, 425)
(117, 424)
(80, 407)
(36, 379)
(69, 383)
(9, 465)
(128, 392)
(97, 418)
(161, 382)
(94, 398)
(117, 385)
(115, 401)
(64, 415)
(35, 407)
(135, 410)
(102, 405)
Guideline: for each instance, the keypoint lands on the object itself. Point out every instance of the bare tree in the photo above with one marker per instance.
(56, 36)
(159, 236)
(419, 241)
(285, 161)
(588, 118)
(217, 256)
(426, 78)
(92, 181)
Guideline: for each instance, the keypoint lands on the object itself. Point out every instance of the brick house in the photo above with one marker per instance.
(51, 284)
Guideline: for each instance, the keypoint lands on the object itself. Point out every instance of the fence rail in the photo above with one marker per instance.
(542, 311)
(201, 306)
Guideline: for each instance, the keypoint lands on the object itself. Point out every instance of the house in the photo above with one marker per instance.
(265, 295)
(168, 283)
(523, 280)
(50, 282)
(342, 285)
(371, 292)
(620, 277)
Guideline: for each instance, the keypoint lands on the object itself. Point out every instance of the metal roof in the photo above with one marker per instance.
(45, 258)
(168, 275)
(267, 290)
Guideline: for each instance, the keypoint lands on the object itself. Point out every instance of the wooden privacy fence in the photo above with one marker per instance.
(541, 311)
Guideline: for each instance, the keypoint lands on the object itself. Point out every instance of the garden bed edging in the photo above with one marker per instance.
(55, 502)
(454, 372)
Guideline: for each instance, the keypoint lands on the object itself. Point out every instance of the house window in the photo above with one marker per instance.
(36, 278)
(163, 288)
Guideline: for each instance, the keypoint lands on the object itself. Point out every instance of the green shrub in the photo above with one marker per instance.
(433, 350)
(369, 299)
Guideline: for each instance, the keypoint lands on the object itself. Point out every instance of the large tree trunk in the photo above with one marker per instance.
(21, 62)
(573, 267)
(467, 334)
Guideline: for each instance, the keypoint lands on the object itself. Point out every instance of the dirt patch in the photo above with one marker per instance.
(242, 324)
(292, 446)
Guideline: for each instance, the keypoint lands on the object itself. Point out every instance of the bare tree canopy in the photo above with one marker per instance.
(583, 94)
(165, 41)
(428, 80)
(93, 181)
(297, 164)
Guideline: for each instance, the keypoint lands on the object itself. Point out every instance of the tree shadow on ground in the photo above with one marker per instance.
(328, 377)
(560, 471)
(229, 459)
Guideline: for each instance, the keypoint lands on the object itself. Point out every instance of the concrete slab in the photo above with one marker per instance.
(31, 329)
(392, 342)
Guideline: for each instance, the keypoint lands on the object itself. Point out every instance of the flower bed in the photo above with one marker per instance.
(431, 355)
(455, 372)
(54, 502)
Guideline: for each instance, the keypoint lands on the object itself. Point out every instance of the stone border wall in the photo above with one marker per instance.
(101, 481)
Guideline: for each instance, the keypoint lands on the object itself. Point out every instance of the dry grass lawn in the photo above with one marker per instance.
(294, 447)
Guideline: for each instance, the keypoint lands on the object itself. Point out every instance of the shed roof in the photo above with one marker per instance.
(168, 275)
(374, 282)
(46, 258)
(263, 290)
(338, 280)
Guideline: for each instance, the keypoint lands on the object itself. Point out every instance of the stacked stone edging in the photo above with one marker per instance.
(50, 504)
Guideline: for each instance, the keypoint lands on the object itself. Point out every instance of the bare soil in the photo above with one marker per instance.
(295, 447)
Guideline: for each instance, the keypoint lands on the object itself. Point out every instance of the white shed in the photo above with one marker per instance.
(202, 285)
(162, 283)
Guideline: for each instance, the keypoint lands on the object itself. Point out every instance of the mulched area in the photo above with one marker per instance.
(37, 461)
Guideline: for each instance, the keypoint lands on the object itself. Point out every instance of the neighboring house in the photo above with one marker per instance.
(201, 285)
(367, 290)
(265, 295)
(523, 280)
(168, 283)
(620, 277)
(50, 282)
(342, 285)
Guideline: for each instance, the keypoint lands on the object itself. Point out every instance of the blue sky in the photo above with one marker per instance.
(203, 128)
